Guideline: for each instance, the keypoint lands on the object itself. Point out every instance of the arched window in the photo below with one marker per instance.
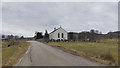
(58, 35)
(62, 35)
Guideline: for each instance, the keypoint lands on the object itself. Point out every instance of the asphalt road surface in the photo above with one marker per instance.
(39, 54)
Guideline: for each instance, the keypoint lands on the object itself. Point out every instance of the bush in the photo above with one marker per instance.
(107, 56)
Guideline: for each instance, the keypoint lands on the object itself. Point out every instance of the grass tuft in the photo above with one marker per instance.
(107, 56)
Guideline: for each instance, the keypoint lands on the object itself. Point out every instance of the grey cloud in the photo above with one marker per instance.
(28, 17)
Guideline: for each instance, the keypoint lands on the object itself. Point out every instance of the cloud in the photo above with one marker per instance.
(27, 17)
(60, 0)
(0, 18)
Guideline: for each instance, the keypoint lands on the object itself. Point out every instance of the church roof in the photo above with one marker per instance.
(57, 29)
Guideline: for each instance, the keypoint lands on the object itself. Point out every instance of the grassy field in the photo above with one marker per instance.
(0, 53)
(104, 51)
(11, 55)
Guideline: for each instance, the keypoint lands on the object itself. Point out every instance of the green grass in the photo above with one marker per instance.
(10, 55)
(0, 53)
(7, 52)
(92, 48)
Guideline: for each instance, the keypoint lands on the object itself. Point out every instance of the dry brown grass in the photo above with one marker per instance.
(108, 56)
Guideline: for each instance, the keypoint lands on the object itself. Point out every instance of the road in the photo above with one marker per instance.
(39, 54)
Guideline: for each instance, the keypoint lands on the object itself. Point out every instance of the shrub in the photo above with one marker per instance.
(107, 56)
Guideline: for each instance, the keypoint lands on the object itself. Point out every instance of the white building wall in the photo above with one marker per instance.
(50, 36)
(54, 35)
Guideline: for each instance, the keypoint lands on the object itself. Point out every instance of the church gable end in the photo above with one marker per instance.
(58, 34)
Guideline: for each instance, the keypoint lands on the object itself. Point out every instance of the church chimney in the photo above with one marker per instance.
(55, 28)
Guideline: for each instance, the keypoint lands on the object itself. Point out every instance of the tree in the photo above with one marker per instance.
(38, 35)
(96, 31)
(22, 37)
(46, 36)
(16, 37)
(92, 31)
(92, 38)
(10, 37)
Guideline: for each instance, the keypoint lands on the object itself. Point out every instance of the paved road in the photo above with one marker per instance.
(39, 54)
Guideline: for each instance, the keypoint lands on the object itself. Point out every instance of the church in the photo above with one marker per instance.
(58, 34)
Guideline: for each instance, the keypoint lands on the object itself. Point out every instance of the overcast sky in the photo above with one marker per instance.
(25, 18)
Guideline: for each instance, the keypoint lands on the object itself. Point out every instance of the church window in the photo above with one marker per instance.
(62, 35)
(58, 35)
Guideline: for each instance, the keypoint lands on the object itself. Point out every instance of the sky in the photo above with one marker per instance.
(60, 0)
(25, 18)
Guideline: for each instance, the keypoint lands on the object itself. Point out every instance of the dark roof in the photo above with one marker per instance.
(118, 32)
(72, 33)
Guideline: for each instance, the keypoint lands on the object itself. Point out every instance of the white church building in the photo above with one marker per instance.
(58, 34)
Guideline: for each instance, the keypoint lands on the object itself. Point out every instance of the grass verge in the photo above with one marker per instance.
(106, 51)
(12, 54)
